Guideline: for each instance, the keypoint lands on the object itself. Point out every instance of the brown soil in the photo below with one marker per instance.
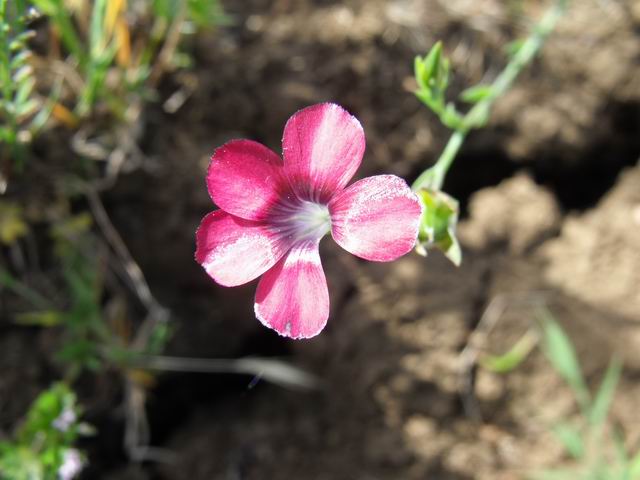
(548, 217)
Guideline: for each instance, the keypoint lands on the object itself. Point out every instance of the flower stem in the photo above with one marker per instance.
(479, 114)
(434, 176)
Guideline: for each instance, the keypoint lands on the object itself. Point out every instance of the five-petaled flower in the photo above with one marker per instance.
(274, 212)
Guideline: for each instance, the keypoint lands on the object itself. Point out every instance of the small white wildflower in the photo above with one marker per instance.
(72, 464)
(66, 418)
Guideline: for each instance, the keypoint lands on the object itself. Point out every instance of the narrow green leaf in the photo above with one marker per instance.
(634, 467)
(47, 318)
(97, 35)
(514, 357)
(19, 41)
(48, 7)
(20, 59)
(604, 397)
(476, 93)
(206, 13)
(22, 74)
(442, 75)
(432, 62)
(561, 354)
(621, 454)
(571, 440)
(418, 71)
(27, 108)
(24, 90)
(44, 114)
(63, 21)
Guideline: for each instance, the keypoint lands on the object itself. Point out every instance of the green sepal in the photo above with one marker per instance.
(438, 224)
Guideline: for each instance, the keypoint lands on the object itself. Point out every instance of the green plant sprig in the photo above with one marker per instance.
(440, 211)
(432, 75)
(19, 102)
(46, 439)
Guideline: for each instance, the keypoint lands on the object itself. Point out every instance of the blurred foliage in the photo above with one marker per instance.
(43, 447)
(108, 56)
(79, 256)
(12, 224)
(114, 57)
(596, 455)
(597, 449)
(22, 111)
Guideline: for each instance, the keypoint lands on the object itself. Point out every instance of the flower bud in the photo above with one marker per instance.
(438, 224)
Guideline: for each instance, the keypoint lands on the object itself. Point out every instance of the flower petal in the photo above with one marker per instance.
(292, 298)
(234, 251)
(376, 218)
(245, 179)
(322, 148)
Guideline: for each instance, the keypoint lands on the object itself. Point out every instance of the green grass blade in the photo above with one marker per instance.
(62, 20)
(571, 440)
(560, 352)
(44, 114)
(97, 38)
(634, 467)
(20, 59)
(510, 360)
(604, 397)
(46, 318)
(24, 90)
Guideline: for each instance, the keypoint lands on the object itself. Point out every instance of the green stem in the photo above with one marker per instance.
(478, 115)
(434, 176)
(70, 39)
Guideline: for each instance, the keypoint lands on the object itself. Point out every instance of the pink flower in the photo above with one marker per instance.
(273, 214)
